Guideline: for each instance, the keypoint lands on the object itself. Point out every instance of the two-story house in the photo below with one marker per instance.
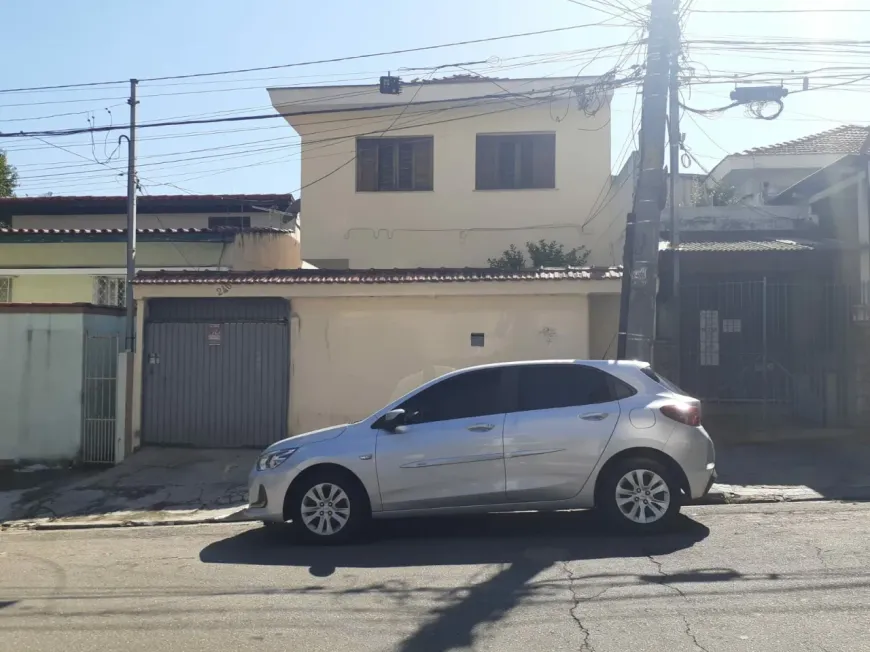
(449, 173)
(406, 198)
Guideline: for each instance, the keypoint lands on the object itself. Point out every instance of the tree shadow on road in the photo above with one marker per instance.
(523, 545)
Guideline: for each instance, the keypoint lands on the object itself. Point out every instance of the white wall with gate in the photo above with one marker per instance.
(49, 395)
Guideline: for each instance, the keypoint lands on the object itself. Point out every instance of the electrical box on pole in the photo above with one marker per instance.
(390, 85)
(640, 257)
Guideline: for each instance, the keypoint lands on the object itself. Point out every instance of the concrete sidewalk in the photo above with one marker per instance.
(153, 486)
(178, 486)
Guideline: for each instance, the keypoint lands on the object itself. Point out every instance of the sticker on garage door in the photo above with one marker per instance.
(214, 334)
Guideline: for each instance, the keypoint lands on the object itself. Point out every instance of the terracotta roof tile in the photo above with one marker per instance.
(86, 232)
(749, 246)
(848, 139)
(181, 199)
(377, 276)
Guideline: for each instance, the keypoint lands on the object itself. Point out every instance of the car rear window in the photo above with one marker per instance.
(661, 380)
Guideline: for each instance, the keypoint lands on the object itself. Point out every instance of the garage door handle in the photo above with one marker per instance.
(594, 416)
(481, 427)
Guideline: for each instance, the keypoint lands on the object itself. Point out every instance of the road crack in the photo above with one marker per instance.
(578, 600)
(663, 582)
(692, 635)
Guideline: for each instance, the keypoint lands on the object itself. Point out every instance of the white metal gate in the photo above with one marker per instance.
(99, 398)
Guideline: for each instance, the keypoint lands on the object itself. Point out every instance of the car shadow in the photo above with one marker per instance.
(490, 539)
(523, 544)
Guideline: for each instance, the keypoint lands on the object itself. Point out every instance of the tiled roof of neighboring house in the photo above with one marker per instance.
(379, 276)
(148, 204)
(117, 235)
(746, 246)
(217, 229)
(848, 139)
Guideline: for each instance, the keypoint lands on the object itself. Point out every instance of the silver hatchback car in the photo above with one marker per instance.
(519, 436)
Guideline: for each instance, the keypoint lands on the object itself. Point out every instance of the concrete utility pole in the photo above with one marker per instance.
(675, 140)
(124, 440)
(643, 227)
(130, 330)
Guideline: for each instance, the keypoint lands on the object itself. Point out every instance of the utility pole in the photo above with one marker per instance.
(675, 140)
(130, 330)
(643, 228)
(124, 443)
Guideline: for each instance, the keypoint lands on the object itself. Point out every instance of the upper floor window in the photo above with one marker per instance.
(389, 164)
(5, 289)
(110, 290)
(234, 221)
(516, 161)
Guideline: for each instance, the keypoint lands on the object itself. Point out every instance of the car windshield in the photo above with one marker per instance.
(664, 382)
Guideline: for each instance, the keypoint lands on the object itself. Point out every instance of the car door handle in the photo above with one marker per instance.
(594, 416)
(481, 427)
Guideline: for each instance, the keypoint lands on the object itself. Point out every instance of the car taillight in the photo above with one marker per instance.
(686, 413)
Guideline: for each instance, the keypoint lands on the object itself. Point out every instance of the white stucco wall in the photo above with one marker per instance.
(40, 396)
(454, 225)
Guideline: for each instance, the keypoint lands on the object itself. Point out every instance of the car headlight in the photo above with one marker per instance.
(274, 459)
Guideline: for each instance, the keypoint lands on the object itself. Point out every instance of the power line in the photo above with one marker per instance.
(355, 57)
(268, 116)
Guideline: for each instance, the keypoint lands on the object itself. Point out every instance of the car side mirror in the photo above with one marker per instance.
(391, 420)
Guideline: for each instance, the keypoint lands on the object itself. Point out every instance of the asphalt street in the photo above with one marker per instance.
(766, 578)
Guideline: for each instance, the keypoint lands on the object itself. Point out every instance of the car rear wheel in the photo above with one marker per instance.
(639, 495)
(328, 507)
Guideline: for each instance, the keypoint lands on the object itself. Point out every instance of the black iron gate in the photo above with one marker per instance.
(779, 347)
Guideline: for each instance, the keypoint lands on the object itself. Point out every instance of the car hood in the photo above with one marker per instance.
(308, 438)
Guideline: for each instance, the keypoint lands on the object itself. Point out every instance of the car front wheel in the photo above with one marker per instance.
(328, 507)
(639, 495)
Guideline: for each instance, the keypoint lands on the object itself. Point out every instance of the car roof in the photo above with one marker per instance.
(598, 364)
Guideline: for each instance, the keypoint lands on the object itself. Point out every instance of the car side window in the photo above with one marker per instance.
(471, 394)
(545, 387)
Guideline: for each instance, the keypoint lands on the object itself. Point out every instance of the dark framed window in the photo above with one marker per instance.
(515, 161)
(231, 221)
(394, 164)
(471, 394)
(547, 387)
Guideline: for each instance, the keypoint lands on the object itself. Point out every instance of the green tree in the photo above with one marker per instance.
(717, 195)
(8, 176)
(541, 254)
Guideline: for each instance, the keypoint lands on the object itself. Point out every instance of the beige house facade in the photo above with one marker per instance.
(352, 341)
(450, 173)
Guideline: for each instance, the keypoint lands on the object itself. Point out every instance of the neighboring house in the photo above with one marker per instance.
(73, 249)
(762, 173)
(449, 173)
(770, 287)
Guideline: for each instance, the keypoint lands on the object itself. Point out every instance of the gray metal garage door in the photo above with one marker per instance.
(216, 372)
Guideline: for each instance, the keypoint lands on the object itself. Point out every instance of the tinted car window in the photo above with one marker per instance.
(543, 387)
(661, 380)
(472, 394)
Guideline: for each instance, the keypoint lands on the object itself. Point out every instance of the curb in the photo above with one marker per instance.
(712, 498)
(106, 525)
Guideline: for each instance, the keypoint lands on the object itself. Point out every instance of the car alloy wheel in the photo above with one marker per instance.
(642, 496)
(325, 509)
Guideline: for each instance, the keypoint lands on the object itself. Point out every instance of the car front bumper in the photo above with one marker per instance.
(266, 492)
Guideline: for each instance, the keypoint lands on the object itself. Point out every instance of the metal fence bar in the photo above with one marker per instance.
(780, 346)
(99, 398)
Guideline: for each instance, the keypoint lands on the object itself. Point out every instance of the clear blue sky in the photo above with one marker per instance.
(53, 42)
